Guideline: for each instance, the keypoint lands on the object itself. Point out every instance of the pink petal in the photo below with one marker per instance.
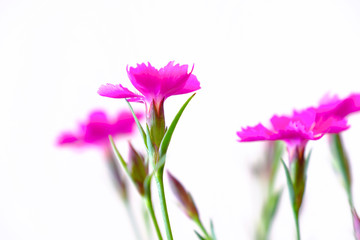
(118, 91)
(145, 79)
(191, 85)
(124, 123)
(257, 133)
(303, 118)
(330, 125)
(160, 84)
(349, 105)
(339, 108)
(356, 222)
(66, 138)
(97, 116)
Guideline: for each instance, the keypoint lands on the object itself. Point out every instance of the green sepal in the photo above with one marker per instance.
(292, 198)
(141, 130)
(150, 146)
(307, 160)
(212, 230)
(167, 137)
(290, 185)
(199, 236)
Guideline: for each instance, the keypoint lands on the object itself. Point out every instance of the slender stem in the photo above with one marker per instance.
(160, 186)
(201, 226)
(296, 216)
(132, 220)
(149, 205)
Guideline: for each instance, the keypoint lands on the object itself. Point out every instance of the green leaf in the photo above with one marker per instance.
(199, 236)
(290, 185)
(212, 230)
(167, 137)
(141, 130)
(342, 164)
(118, 155)
(271, 207)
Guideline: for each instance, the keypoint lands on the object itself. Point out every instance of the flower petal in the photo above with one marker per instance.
(118, 91)
(66, 138)
(257, 133)
(160, 84)
(145, 79)
(191, 85)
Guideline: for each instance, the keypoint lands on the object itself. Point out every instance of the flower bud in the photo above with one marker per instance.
(184, 197)
(118, 178)
(138, 168)
(356, 222)
(298, 174)
(155, 119)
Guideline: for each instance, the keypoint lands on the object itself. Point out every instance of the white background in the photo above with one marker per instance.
(254, 58)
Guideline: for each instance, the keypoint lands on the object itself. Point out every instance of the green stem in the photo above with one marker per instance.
(296, 216)
(160, 185)
(201, 226)
(132, 220)
(149, 205)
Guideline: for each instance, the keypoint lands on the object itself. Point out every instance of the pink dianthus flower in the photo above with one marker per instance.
(154, 85)
(295, 130)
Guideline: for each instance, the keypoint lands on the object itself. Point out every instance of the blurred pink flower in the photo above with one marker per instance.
(295, 130)
(97, 129)
(301, 126)
(338, 108)
(154, 85)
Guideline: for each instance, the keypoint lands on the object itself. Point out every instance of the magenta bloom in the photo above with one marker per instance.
(295, 130)
(97, 129)
(154, 85)
(301, 126)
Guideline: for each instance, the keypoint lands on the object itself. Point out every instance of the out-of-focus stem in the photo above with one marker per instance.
(267, 215)
(133, 221)
(271, 166)
(147, 220)
(343, 164)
